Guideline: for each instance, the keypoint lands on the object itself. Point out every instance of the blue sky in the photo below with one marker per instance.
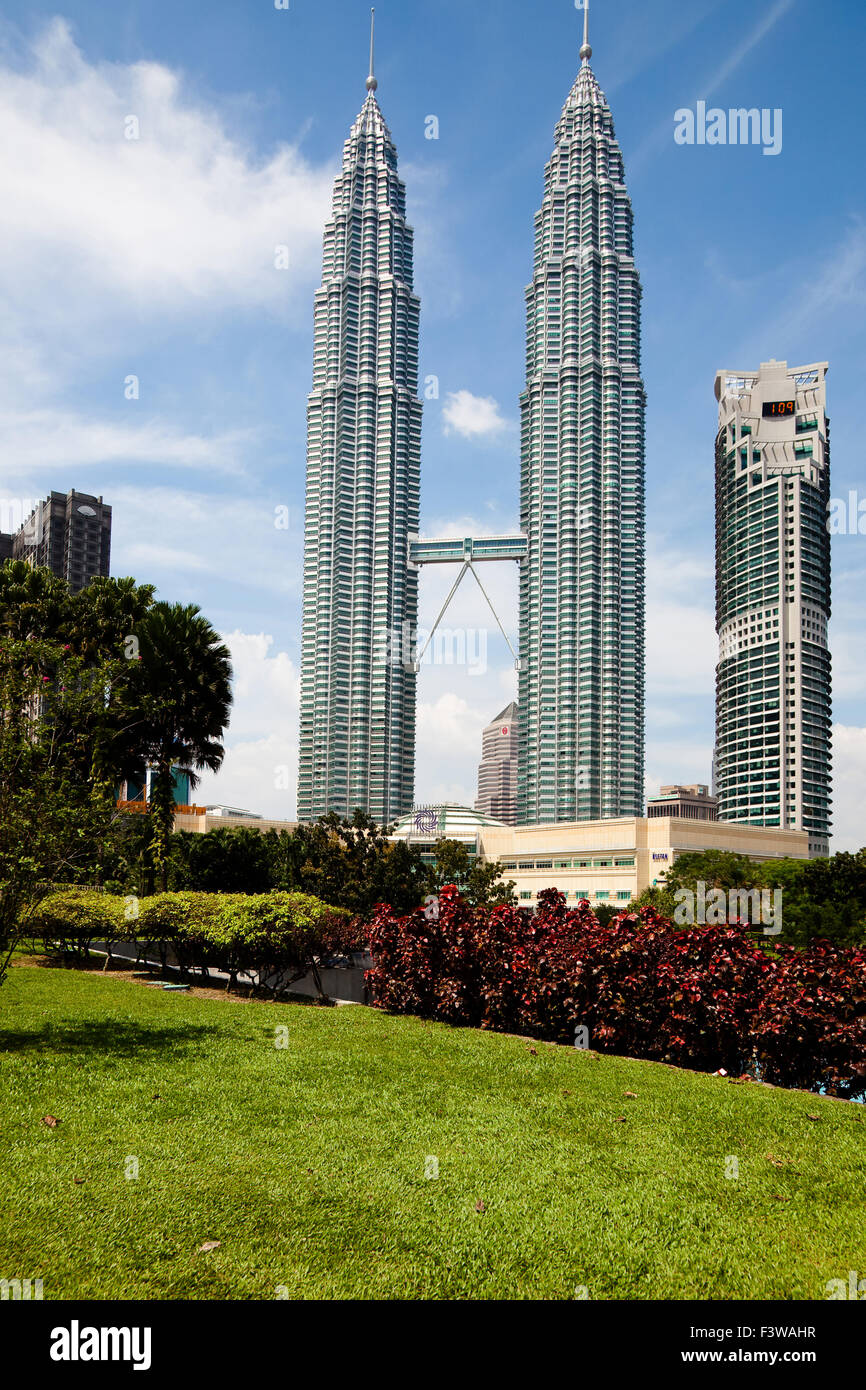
(154, 258)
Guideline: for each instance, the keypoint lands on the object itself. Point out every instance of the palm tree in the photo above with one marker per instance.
(182, 694)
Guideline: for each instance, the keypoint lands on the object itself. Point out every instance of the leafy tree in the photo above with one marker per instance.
(821, 898)
(230, 859)
(715, 867)
(181, 698)
(34, 604)
(56, 796)
(660, 899)
(604, 913)
(352, 863)
(481, 884)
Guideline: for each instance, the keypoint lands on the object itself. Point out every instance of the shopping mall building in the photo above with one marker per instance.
(606, 861)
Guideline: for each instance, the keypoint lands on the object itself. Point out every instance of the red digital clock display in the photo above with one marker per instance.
(774, 408)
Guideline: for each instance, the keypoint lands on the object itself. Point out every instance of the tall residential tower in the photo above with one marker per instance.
(582, 484)
(773, 706)
(357, 738)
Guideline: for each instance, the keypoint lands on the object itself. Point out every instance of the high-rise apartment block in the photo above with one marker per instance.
(357, 734)
(69, 534)
(773, 680)
(497, 771)
(581, 688)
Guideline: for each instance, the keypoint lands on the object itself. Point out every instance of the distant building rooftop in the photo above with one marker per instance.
(448, 822)
(692, 802)
(232, 811)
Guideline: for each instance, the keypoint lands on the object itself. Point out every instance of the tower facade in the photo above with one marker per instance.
(69, 533)
(357, 723)
(497, 771)
(773, 679)
(582, 485)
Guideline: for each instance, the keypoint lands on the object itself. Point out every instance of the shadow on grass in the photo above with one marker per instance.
(120, 1038)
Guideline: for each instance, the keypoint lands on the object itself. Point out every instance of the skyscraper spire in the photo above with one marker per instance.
(581, 742)
(357, 742)
(372, 82)
(586, 50)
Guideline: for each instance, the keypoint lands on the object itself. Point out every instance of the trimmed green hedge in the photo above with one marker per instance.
(274, 937)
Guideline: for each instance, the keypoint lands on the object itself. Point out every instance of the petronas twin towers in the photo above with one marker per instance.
(581, 490)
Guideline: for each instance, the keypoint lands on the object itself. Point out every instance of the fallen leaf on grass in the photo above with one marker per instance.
(566, 1093)
(79, 1181)
(630, 1095)
(479, 1205)
(208, 1245)
(813, 1117)
(50, 1121)
(532, 1052)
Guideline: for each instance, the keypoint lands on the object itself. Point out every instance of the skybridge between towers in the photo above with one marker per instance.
(465, 551)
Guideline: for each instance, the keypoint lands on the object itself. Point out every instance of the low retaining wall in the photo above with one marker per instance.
(342, 983)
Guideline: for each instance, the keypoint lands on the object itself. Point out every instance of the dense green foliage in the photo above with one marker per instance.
(553, 1169)
(349, 862)
(480, 883)
(821, 898)
(57, 732)
(182, 698)
(272, 938)
(94, 686)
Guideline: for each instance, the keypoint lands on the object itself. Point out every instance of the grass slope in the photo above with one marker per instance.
(307, 1162)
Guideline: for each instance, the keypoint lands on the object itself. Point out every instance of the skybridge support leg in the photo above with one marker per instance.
(467, 565)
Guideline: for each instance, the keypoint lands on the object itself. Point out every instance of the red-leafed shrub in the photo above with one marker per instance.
(705, 997)
(426, 963)
(810, 1027)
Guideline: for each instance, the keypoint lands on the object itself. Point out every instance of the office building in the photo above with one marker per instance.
(69, 534)
(687, 803)
(497, 771)
(773, 679)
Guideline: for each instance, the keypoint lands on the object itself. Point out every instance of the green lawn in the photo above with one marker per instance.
(307, 1162)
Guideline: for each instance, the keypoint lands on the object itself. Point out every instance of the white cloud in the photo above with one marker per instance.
(849, 676)
(472, 417)
(260, 769)
(680, 625)
(183, 218)
(449, 748)
(849, 779)
(161, 532)
(676, 764)
(40, 439)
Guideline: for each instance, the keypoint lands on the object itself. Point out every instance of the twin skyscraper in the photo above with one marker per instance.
(581, 543)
